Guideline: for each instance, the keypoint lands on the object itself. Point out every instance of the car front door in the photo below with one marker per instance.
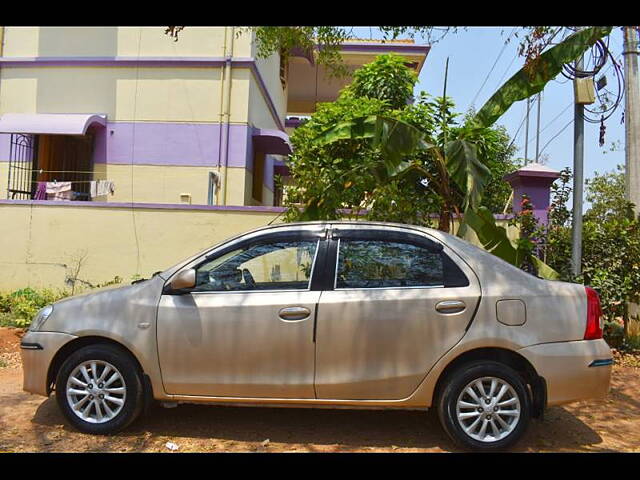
(398, 302)
(246, 329)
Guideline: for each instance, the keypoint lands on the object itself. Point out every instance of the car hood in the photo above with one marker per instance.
(94, 310)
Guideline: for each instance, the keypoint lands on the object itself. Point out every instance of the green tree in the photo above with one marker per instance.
(610, 243)
(611, 246)
(337, 163)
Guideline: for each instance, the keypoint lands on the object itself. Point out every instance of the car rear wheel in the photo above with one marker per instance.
(99, 389)
(485, 405)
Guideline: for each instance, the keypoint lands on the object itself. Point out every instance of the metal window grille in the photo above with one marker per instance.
(22, 168)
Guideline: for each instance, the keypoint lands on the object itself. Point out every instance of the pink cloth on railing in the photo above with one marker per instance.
(59, 191)
(41, 191)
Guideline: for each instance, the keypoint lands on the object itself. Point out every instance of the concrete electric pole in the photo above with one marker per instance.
(632, 116)
(526, 134)
(538, 130)
(578, 180)
(632, 137)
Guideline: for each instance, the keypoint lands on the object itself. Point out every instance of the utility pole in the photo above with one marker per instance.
(632, 140)
(578, 181)
(538, 130)
(631, 116)
(526, 134)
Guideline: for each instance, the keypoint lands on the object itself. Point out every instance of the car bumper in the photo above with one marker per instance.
(38, 350)
(573, 371)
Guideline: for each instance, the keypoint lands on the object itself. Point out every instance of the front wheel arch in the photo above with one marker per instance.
(75, 345)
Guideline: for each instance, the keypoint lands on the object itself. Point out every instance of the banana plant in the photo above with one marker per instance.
(396, 140)
(494, 239)
(458, 157)
(527, 82)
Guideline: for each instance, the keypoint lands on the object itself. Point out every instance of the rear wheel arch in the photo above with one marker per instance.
(520, 364)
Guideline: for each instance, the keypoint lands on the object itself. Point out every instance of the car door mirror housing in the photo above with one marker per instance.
(183, 280)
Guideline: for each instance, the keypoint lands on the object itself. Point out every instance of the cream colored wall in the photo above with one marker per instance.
(123, 93)
(269, 69)
(157, 184)
(240, 89)
(267, 196)
(165, 184)
(130, 93)
(152, 41)
(40, 246)
(127, 93)
(120, 41)
(259, 113)
(4, 172)
(157, 94)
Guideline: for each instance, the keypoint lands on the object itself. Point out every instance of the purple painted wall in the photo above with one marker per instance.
(181, 144)
(5, 145)
(172, 144)
(535, 181)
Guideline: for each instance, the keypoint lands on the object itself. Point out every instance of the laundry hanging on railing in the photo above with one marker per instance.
(59, 191)
(41, 191)
(98, 188)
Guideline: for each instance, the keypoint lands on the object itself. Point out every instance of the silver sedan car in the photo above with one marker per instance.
(339, 314)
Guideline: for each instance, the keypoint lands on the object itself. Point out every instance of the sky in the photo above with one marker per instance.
(472, 54)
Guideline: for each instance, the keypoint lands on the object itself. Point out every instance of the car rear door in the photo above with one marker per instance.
(397, 303)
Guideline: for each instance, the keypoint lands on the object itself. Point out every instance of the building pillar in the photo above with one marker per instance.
(535, 181)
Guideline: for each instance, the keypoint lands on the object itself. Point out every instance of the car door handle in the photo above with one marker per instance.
(450, 306)
(291, 314)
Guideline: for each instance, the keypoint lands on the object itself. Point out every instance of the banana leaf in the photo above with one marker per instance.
(464, 168)
(494, 239)
(395, 139)
(525, 83)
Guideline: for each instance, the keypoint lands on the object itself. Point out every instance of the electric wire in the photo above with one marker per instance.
(556, 135)
(493, 67)
(506, 70)
(554, 119)
(599, 54)
(515, 136)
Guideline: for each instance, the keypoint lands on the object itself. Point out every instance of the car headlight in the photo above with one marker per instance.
(40, 318)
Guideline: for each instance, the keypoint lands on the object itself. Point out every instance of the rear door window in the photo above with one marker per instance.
(374, 263)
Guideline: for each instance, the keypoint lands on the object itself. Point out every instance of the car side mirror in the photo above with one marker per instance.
(184, 279)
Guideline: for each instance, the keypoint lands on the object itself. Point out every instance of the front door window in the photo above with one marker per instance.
(280, 265)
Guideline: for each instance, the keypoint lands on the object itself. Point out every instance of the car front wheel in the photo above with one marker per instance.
(485, 406)
(99, 389)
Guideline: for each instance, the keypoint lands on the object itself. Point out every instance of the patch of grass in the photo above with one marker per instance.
(3, 364)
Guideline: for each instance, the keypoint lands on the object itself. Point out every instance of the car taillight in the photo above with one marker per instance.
(594, 316)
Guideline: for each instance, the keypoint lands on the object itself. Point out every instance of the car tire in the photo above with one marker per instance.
(104, 384)
(493, 422)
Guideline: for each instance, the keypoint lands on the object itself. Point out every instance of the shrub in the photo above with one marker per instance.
(18, 308)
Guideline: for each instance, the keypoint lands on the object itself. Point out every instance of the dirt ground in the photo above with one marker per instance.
(30, 423)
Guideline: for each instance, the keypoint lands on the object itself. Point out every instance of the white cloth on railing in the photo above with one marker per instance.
(99, 188)
(59, 191)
